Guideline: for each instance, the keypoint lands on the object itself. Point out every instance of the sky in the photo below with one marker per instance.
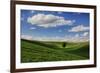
(54, 25)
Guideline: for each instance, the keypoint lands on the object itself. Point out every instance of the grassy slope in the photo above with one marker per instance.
(33, 51)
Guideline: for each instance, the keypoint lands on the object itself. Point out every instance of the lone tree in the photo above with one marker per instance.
(64, 44)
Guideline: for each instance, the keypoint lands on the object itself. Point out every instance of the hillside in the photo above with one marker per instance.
(38, 51)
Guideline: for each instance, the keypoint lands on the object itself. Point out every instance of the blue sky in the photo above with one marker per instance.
(54, 25)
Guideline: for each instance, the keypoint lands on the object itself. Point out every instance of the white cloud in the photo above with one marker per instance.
(85, 34)
(27, 37)
(79, 28)
(78, 38)
(67, 38)
(48, 20)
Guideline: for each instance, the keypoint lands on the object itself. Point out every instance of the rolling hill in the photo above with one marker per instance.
(39, 51)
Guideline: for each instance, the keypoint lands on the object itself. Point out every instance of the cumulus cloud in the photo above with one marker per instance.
(85, 34)
(48, 20)
(79, 28)
(78, 38)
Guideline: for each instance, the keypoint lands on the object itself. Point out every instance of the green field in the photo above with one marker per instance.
(37, 51)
